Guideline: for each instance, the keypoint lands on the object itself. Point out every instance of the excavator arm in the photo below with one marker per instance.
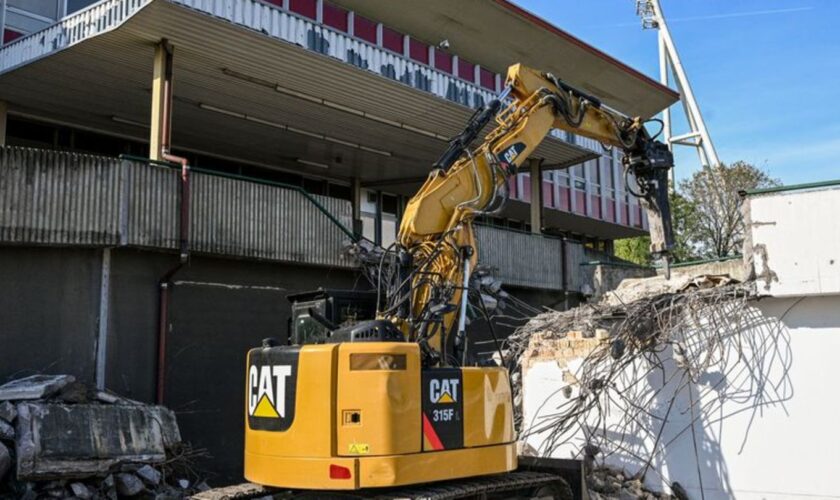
(436, 238)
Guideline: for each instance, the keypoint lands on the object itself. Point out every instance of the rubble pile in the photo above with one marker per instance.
(651, 354)
(60, 438)
(609, 482)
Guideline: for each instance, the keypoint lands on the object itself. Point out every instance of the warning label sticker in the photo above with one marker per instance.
(359, 449)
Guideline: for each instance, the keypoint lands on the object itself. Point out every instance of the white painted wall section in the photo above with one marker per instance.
(795, 241)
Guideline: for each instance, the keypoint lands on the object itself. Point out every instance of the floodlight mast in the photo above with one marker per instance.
(650, 12)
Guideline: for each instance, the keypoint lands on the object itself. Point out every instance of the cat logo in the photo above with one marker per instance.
(510, 155)
(443, 391)
(267, 390)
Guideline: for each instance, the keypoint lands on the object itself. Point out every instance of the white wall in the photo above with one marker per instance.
(778, 441)
(795, 241)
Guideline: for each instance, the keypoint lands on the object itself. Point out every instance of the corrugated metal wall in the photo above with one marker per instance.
(521, 259)
(235, 217)
(60, 198)
(150, 197)
(579, 275)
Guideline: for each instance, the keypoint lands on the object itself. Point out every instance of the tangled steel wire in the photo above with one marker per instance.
(673, 365)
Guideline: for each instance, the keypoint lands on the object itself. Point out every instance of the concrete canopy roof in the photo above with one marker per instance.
(223, 73)
(498, 33)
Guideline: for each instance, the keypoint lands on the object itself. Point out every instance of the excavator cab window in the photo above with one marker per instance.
(316, 314)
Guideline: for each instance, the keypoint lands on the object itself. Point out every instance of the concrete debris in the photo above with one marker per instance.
(238, 491)
(607, 375)
(64, 439)
(8, 412)
(34, 387)
(7, 432)
(631, 290)
(128, 485)
(5, 461)
(81, 491)
(609, 483)
(149, 475)
(58, 440)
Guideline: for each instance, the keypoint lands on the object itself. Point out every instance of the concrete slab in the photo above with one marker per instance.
(34, 387)
(6, 431)
(74, 441)
(8, 412)
(5, 461)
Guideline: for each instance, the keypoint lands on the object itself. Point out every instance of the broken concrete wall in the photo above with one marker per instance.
(733, 267)
(60, 438)
(792, 245)
(57, 440)
(598, 278)
(766, 433)
(607, 276)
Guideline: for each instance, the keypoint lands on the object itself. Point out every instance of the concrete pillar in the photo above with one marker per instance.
(4, 111)
(536, 195)
(618, 186)
(605, 169)
(356, 202)
(104, 318)
(587, 202)
(161, 71)
(377, 229)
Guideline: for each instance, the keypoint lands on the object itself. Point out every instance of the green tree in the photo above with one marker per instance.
(684, 221)
(713, 226)
(705, 213)
(635, 250)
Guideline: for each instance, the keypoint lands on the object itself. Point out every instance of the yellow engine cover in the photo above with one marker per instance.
(359, 415)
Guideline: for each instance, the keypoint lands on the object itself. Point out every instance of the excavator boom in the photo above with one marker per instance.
(436, 230)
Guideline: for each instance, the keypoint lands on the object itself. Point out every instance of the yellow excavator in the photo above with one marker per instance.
(395, 405)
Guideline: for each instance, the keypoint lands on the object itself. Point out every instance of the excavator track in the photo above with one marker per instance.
(519, 484)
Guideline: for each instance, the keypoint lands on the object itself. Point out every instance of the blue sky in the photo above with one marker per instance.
(765, 72)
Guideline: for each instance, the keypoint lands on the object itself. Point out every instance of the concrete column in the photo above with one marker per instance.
(356, 202)
(162, 67)
(4, 111)
(536, 195)
(587, 182)
(605, 169)
(377, 229)
(618, 187)
(104, 318)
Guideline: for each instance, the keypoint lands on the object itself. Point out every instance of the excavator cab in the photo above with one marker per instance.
(318, 313)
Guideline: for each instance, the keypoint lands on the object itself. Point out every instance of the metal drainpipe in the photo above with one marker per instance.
(165, 283)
